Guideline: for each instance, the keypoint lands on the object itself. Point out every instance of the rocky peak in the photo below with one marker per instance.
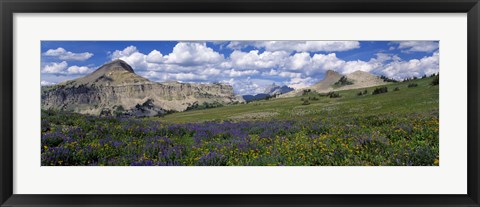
(357, 79)
(331, 74)
(362, 76)
(275, 89)
(117, 72)
(115, 65)
(358, 72)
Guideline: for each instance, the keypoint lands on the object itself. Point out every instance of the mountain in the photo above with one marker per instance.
(270, 91)
(260, 96)
(357, 79)
(277, 90)
(334, 81)
(114, 88)
(114, 73)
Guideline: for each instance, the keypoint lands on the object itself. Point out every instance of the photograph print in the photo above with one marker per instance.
(240, 103)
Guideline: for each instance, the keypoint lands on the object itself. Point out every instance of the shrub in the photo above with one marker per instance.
(119, 110)
(343, 81)
(333, 95)
(306, 102)
(380, 90)
(204, 105)
(386, 79)
(306, 91)
(105, 112)
(396, 89)
(360, 93)
(435, 81)
(409, 79)
(412, 85)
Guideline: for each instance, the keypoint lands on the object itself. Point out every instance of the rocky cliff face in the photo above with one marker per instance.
(114, 88)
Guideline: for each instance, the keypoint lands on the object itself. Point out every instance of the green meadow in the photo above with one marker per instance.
(423, 98)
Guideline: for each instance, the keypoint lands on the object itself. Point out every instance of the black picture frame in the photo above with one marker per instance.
(9, 7)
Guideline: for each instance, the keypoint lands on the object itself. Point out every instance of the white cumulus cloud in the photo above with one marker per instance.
(132, 56)
(155, 57)
(247, 85)
(193, 53)
(55, 67)
(255, 60)
(78, 70)
(46, 83)
(298, 83)
(298, 46)
(293, 63)
(418, 46)
(412, 68)
(300, 60)
(62, 68)
(239, 73)
(187, 77)
(63, 54)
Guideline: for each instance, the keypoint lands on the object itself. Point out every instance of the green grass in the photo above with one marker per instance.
(423, 98)
(397, 128)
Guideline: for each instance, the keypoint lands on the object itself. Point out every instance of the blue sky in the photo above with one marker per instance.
(249, 66)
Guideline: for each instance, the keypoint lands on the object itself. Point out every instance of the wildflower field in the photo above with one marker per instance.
(396, 128)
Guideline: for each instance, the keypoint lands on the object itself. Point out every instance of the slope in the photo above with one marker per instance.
(423, 98)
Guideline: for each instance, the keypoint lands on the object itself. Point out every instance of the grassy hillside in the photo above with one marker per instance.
(423, 98)
(397, 128)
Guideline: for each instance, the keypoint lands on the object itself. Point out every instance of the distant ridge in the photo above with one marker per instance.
(277, 90)
(260, 96)
(273, 90)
